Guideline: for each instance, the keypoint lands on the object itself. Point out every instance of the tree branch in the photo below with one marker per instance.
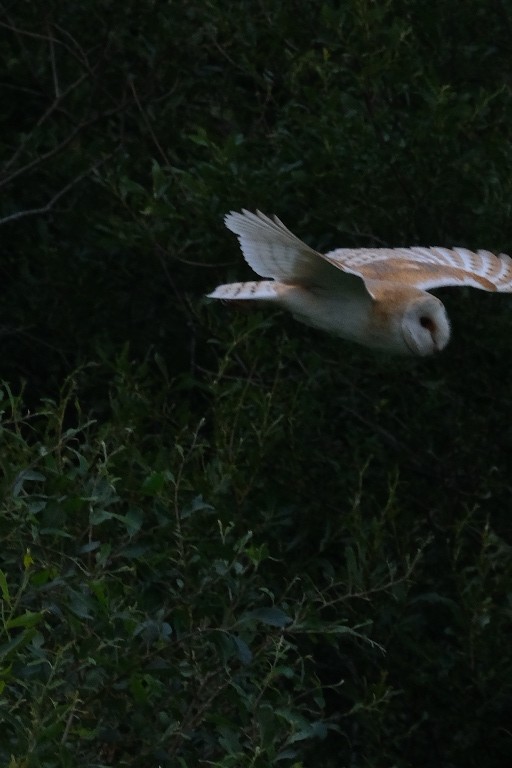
(49, 205)
(46, 114)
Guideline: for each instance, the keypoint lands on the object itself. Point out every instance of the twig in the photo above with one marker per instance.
(46, 155)
(55, 76)
(146, 122)
(46, 114)
(74, 50)
(49, 205)
(55, 150)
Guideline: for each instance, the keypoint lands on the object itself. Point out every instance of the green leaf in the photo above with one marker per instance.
(4, 588)
(18, 642)
(272, 616)
(197, 504)
(154, 483)
(28, 619)
(133, 520)
(23, 476)
(244, 653)
(310, 730)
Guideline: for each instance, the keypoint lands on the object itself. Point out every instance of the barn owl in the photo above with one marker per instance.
(374, 296)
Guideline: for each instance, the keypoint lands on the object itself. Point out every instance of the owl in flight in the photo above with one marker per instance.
(377, 297)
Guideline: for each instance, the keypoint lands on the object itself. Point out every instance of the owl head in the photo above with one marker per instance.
(424, 326)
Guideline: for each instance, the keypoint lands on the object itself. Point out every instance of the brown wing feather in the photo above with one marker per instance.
(426, 268)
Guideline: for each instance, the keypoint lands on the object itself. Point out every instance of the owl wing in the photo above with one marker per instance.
(273, 251)
(427, 268)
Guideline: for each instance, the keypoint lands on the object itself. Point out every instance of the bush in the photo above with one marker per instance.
(144, 620)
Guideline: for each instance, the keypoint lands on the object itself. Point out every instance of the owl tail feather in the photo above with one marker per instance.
(257, 290)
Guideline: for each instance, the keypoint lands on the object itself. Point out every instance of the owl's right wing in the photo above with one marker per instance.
(273, 251)
(427, 268)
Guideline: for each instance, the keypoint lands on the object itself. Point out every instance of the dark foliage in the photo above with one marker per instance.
(228, 540)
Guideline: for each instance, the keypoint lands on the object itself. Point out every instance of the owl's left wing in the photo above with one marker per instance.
(273, 251)
(427, 268)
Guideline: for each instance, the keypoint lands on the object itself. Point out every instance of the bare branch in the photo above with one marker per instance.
(49, 37)
(55, 150)
(46, 155)
(19, 31)
(146, 122)
(55, 76)
(49, 205)
(46, 114)
(74, 49)
(82, 57)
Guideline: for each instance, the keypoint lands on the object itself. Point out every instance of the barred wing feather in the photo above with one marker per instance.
(427, 268)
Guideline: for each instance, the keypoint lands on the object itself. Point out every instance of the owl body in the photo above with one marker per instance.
(326, 310)
(375, 297)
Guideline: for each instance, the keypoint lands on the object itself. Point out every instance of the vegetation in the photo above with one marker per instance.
(228, 540)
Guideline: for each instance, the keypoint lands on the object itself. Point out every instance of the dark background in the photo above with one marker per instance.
(229, 540)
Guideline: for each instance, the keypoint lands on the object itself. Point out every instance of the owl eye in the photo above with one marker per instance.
(428, 323)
